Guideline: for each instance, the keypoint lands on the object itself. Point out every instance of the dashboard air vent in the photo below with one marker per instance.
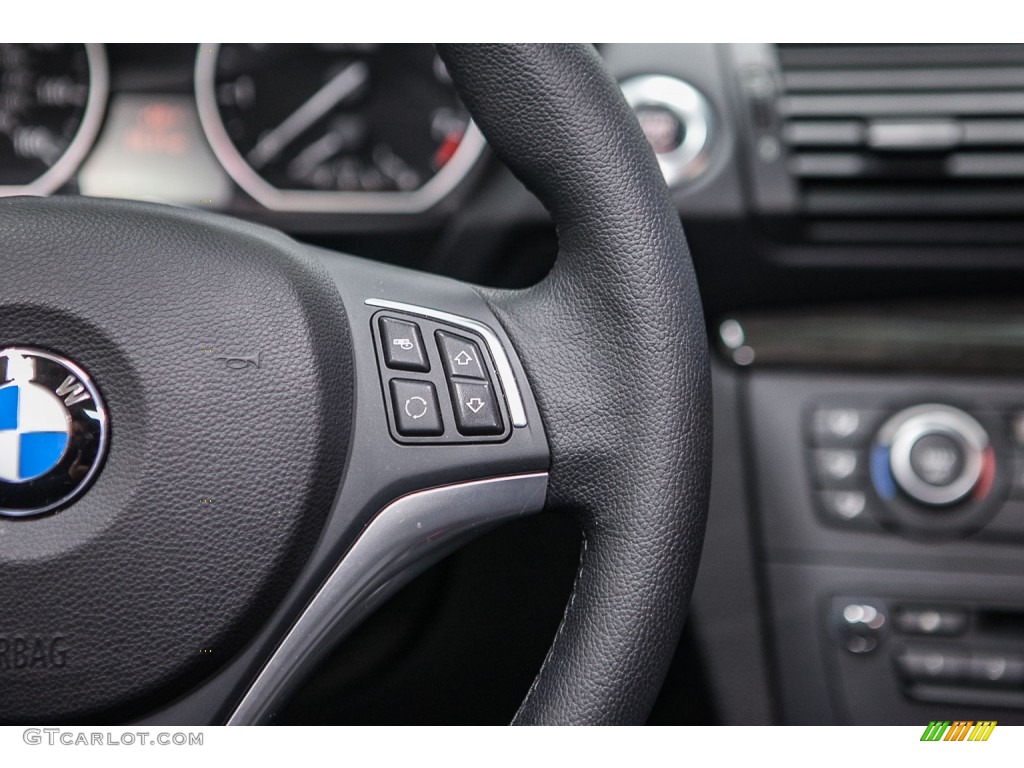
(904, 130)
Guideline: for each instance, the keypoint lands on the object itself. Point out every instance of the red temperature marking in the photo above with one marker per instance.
(987, 475)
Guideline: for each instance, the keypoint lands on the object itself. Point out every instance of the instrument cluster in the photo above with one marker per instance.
(304, 128)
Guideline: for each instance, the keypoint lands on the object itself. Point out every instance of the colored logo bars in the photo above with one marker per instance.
(958, 730)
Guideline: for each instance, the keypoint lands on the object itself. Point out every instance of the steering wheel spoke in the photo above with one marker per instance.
(450, 443)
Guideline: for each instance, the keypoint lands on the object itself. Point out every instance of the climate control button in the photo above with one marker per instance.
(938, 459)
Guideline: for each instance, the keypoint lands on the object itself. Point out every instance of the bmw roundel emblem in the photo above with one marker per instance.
(53, 431)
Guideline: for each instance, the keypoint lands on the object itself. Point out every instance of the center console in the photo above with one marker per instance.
(888, 517)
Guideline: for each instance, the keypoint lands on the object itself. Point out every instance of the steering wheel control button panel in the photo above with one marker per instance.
(53, 431)
(403, 345)
(450, 391)
(415, 408)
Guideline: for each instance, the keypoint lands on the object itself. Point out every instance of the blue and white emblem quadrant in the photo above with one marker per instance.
(34, 431)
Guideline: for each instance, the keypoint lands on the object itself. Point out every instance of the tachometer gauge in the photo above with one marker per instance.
(52, 99)
(336, 127)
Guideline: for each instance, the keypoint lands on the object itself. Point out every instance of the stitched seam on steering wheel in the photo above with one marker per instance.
(558, 635)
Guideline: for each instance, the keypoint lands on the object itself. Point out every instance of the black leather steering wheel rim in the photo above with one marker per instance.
(614, 343)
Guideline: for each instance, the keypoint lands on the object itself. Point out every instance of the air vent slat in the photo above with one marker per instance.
(830, 56)
(822, 201)
(904, 105)
(930, 136)
(993, 132)
(824, 133)
(853, 133)
(904, 130)
(828, 165)
(832, 81)
(995, 165)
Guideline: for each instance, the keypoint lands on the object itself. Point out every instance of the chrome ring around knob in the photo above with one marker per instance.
(690, 108)
(904, 431)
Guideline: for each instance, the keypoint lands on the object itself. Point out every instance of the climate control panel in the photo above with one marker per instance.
(925, 469)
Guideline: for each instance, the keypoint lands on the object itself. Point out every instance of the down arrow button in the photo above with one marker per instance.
(476, 412)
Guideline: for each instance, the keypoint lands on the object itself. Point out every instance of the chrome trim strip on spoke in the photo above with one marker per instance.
(508, 379)
(403, 539)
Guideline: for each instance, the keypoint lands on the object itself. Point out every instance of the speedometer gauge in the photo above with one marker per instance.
(336, 127)
(52, 99)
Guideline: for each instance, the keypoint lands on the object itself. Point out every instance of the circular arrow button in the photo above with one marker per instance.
(416, 407)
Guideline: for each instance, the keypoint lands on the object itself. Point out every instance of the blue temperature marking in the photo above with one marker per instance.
(881, 475)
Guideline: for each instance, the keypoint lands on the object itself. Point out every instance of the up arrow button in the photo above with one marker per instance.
(461, 356)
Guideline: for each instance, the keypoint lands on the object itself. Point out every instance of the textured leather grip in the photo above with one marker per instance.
(614, 344)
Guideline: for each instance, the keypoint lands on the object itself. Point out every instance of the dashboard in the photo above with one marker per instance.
(856, 217)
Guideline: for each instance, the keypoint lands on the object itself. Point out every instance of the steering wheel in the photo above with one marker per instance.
(262, 440)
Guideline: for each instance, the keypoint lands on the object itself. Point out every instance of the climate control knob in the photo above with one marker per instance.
(936, 454)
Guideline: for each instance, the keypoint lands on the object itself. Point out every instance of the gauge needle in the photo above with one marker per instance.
(338, 88)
